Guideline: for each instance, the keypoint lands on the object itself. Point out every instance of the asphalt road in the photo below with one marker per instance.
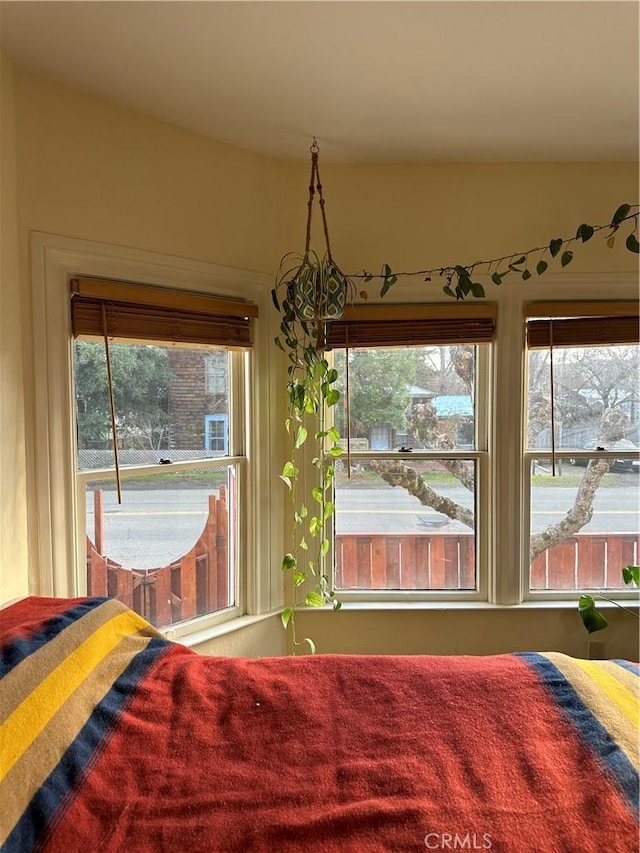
(151, 528)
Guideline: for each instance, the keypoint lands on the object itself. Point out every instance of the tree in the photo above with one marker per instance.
(141, 377)
(378, 388)
(617, 382)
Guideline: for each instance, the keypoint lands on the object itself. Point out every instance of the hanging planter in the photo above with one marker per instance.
(316, 288)
(309, 291)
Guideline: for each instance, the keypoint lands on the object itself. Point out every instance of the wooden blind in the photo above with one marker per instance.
(569, 324)
(413, 325)
(141, 312)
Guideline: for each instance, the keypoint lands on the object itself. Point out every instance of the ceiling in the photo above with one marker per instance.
(373, 80)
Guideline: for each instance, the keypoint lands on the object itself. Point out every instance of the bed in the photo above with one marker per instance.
(116, 739)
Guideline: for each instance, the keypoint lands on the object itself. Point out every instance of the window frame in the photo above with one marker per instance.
(49, 425)
(535, 312)
(55, 260)
(239, 390)
(209, 420)
(483, 496)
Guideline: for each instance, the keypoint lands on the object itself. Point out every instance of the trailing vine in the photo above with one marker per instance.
(308, 291)
(310, 394)
(458, 278)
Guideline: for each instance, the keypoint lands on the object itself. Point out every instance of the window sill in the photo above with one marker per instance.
(203, 635)
(390, 606)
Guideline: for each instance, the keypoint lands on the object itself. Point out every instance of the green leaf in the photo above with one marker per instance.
(496, 278)
(311, 644)
(631, 574)
(301, 437)
(541, 266)
(620, 214)
(584, 232)
(388, 282)
(324, 547)
(337, 605)
(521, 260)
(566, 258)
(288, 562)
(318, 494)
(610, 241)
(303, 544)
(286, 481)
(289, 470)
(632, 243)
(336, 451)
(286, 615)
(332, 397)
(314, 599)
(315, 525)
(448, 291)
(555, 246)
(477, 290)
(333, 434)
(299, 578)
(526, 275)
(304, 512)
(592, 619)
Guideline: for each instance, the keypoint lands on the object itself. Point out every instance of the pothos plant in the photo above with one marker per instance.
(311, 290)
(458, 278)
(592, 618)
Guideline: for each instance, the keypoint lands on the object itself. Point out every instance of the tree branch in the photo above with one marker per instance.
(397, 473)
(580, 513)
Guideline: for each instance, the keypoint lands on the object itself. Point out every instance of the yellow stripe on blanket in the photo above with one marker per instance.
(616, 692)
(611, 694)
(27, 721)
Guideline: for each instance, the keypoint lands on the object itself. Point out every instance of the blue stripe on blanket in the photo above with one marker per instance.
(630, 666)
(591, 731)
(52, 799)
(20, 649)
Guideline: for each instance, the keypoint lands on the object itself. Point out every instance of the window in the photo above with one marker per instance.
(582, 444)
(159, 477)
(411, 488)
(217, 434)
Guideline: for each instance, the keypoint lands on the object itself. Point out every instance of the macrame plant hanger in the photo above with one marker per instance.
(316, 184)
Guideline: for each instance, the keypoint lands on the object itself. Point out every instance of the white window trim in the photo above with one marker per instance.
(54, 260)
(483, 490)
(508, 529)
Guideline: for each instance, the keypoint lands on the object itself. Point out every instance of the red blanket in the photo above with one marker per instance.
(114, 739)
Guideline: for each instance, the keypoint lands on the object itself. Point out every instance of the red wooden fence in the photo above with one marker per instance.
(447, 561)
(196, 583)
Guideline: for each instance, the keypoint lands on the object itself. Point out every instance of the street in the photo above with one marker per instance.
(153, 527)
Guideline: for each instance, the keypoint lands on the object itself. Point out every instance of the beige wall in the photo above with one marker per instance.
(89, 169)
(13, 495)
(480, 631)
(429, 215)
(264, 638)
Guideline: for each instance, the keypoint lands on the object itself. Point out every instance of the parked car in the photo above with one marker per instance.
(621, 463)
